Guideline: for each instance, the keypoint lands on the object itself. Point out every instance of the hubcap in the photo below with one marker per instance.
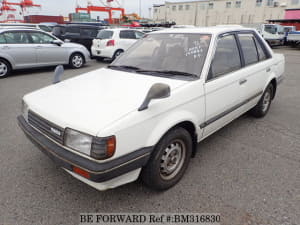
(172, 159)
(3, 69)
(77, 61)
(266, 101)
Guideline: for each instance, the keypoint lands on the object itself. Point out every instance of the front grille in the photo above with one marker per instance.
(51, 130)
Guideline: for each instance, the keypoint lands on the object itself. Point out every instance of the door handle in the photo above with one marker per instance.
(38, 46)
(5, 47)
(268, 69)
(242, 81)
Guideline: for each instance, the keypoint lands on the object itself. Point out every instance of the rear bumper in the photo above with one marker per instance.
(99, 172)
(105, 52)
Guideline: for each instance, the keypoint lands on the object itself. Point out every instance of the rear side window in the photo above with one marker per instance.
(249, 48)
(73, 30)
(127, 34)
(2, 39)
(16, 38)
(139, 35)
(261, 53)
(105, 34)
(227, 57)
(88, 32)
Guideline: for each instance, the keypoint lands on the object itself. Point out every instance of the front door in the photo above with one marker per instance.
(224, 86)
(47, 52)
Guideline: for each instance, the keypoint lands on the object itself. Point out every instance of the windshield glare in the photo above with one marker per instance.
(168, 52)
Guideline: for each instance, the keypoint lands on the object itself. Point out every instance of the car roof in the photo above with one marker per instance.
(215, 30)
(3, 29)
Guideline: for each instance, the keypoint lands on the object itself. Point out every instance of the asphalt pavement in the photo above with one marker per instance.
(249, 171)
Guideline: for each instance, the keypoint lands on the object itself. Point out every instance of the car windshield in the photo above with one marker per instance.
(272, 29)
(105, 34)
(177, 54)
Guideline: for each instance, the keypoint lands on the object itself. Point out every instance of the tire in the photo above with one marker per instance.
(263, 106)
(76, 61)
(169, 160)
(5, 68)
(117, 54)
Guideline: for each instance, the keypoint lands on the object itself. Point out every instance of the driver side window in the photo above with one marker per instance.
(40, 38)
(226, 59)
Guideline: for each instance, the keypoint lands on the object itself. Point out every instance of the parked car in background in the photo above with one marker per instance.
(42, 27)
(31, 48)
(77, 33)
(110, 43)
(144, 115)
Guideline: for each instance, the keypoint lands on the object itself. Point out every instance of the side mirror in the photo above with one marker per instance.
(157, 91)
(57, 42)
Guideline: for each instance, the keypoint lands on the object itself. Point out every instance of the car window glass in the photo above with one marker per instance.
(139, 35)
(73, 30)
(168, 52)
(249, 48)
(105, 34)
(127, 34)
(88, 32)
(227, 57)
(40, 38)
(261, 53)
(45, 28)
(2, 39)
(16, 38)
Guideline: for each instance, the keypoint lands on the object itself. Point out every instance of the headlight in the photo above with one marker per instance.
(25, 110)
(98, 148)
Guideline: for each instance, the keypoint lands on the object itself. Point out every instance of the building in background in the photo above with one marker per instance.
(213, 12)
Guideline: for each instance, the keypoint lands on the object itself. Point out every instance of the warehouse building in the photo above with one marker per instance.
(213, 12)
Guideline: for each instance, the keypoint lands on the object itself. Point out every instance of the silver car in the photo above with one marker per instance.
(31, 48)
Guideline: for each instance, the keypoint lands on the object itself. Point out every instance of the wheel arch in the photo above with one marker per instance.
(161, 130)
(8, 61)
(78, 52)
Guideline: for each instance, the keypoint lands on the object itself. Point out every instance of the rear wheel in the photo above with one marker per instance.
(76, 61)
(117, 54)
(169, 160)
(5, 68)
(263, 106)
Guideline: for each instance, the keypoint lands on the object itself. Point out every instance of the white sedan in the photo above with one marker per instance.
(144, 115)
(110, 43)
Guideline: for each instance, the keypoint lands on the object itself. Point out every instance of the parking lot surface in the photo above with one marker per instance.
(248, 171)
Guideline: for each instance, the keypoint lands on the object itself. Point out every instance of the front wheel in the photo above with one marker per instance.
(76, 61)
(169, 160)
(263, 106)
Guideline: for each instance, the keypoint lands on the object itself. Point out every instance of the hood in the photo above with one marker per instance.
(94, 100)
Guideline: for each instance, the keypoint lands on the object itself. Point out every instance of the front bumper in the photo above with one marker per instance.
(99, 172)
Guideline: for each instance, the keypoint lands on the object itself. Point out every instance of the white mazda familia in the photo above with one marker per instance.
(144, 114)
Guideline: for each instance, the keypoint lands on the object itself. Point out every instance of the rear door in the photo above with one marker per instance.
(256, 65)
(19, 48)
(224, 90)
(47, 53)
(127, 38)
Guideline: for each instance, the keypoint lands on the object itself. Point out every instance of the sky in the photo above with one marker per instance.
(64, 7)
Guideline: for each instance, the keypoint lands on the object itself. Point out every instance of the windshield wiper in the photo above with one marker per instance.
(123, 67)
(168, 72)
